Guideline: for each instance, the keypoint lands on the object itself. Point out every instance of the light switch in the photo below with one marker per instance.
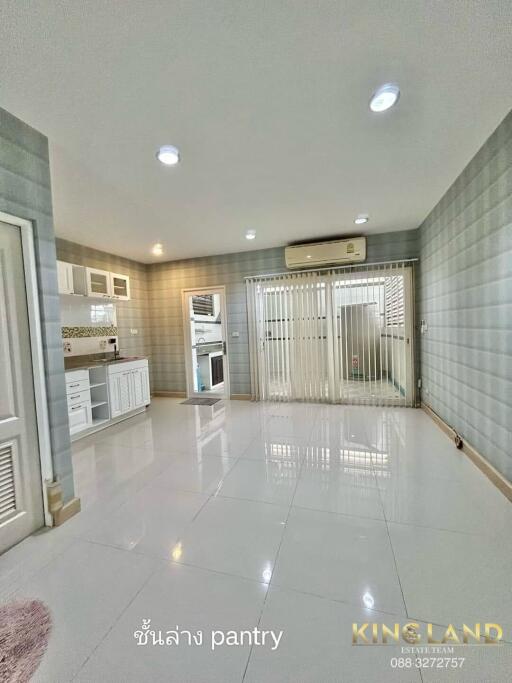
(235, 334)
(134, 330)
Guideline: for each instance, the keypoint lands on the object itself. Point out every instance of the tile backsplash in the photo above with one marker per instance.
(78, 311)
(76, 332)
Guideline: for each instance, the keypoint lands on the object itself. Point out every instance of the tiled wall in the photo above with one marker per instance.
(166, 281)
(131, 315)
(25, 192)
(465, 296)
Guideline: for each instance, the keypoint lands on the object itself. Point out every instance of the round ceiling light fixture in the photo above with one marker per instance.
(250, 235)
(384, 97)
(361, 219)
(168, 155)
(158, 249)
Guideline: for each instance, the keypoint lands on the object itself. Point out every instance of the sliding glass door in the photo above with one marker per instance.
(336, 336)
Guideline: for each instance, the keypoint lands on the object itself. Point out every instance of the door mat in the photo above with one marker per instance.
(25, 627)
(200, 401)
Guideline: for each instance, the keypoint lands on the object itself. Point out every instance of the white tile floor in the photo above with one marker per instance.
(282, 516)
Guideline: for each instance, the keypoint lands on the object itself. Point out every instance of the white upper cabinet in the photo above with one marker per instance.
(71, 278)
(93, 282)
(120, 286)
(99, 283)
(65, 276)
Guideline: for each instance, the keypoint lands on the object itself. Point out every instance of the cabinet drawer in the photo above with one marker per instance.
(79, 397)
(76, 376)
(80, 417)
(77, 386)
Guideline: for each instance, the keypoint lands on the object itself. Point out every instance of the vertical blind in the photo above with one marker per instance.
(341, 335)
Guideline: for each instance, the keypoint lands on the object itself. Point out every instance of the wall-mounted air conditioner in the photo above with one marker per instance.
(338, 252)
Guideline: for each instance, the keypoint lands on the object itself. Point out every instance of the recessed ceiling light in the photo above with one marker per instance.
(168, 155)
(309, 256)
(361, 219)
(250, 235)
(385, 97)
(158, 249)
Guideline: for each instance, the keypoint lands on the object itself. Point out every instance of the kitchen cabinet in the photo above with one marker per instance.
(99, 283)
(65, 277)
(92, 282)
(128, 387)
(79, 401)
(140, 385)
(120, 286)
(71, 278)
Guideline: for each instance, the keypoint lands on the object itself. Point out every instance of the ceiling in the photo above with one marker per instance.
(268, 104)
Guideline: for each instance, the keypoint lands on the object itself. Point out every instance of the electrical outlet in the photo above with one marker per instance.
(134, 330)
(235, 334)
(103, 344)
(67, 347)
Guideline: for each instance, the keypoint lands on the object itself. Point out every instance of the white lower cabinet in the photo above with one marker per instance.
(128, 387)
(78, 395)
(80, 417)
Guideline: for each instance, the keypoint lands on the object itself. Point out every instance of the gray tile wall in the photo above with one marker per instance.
(131, 315)
(465, 295)
(166, 281)
(25, 192)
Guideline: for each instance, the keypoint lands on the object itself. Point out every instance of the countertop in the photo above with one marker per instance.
(75, 363)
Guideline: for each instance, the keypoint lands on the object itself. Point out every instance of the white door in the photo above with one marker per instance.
(21, 503)
(138, 380)
(125, 391)
(145, 385)
(205, 326)
(113, 390)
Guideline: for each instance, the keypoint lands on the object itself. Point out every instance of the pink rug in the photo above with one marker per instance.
(25, 627)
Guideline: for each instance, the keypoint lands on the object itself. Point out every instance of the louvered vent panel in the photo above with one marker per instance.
(7, 490)
(203, 304)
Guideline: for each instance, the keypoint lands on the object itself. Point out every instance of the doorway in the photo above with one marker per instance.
(339, 336)
(206, 360)
(21, 499)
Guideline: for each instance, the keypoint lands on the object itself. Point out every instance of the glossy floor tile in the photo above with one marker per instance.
(239, 537)
(268, 516)
(340, 557)
(270, 481)
(181, 598)
(317, 644)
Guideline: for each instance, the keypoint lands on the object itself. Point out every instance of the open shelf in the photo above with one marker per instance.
(97, 384)
(95, 404)
(96, 421)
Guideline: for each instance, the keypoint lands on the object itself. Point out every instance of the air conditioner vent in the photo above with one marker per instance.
(7, 482)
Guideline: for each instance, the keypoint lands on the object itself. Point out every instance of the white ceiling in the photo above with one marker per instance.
(268, 103)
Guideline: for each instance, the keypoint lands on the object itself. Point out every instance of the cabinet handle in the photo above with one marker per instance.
(75, 385)
(75, 396)
(76, 407)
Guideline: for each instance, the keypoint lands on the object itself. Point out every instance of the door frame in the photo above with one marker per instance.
(185, 293)
(36, 350)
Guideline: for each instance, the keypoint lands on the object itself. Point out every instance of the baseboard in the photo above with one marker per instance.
(501, 483)
(183, 394)
(170, 394)
(66, 511)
